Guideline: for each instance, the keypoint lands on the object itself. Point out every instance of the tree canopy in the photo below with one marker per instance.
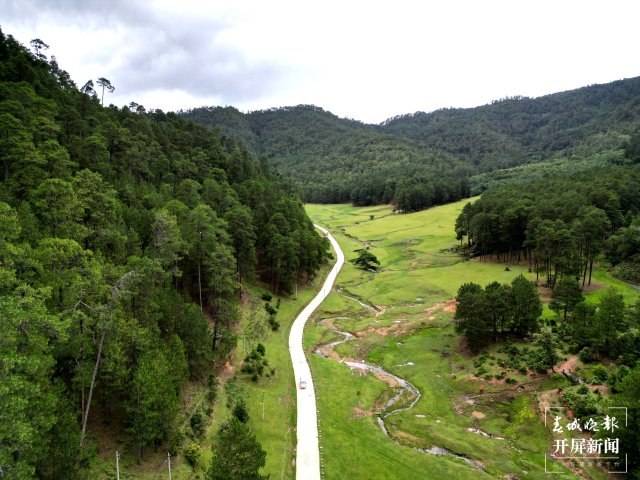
(124, 236)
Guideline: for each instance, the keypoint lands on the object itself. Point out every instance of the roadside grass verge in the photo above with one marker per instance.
(276, 430)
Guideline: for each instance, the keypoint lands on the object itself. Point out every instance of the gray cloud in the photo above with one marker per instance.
(156, 50)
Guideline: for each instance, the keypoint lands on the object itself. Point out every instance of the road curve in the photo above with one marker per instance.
(307, 451)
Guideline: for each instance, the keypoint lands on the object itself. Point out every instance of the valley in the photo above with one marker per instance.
(398, 323)
(170, 301)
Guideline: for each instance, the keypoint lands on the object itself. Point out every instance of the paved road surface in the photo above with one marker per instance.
(307, 451)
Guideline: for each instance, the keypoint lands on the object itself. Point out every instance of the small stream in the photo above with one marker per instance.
(371, 308)
(402, 384)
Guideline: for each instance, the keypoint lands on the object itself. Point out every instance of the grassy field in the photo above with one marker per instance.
(412, 336)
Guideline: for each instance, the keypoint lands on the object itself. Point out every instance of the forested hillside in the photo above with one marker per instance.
(125, 237)
(337, 160)
(423, 159)
(520, 130)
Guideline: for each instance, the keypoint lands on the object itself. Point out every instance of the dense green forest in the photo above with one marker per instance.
(337, 160)
(424, 159)
(560, 225)
(125, 237)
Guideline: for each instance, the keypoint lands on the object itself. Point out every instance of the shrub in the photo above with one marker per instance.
(586, 356)
(266, 296)
(273, 323)
(192, 454)
(212, 393)
(270, 310)
(240, 412)
(600, 374)
(197, 423)
(581, 404)
(536, 361)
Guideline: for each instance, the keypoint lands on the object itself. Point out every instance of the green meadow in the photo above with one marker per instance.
(412, 336)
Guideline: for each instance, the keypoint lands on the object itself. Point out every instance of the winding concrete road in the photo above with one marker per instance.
(307, 451)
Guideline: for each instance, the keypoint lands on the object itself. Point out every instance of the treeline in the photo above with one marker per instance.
(424, 159)
(125, 237)
(560, 225)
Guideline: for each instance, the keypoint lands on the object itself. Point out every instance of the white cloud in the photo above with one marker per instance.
(364, 59)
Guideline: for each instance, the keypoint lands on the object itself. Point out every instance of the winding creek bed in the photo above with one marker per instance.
(405, 387)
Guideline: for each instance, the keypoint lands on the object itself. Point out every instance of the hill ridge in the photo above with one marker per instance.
(419, 159)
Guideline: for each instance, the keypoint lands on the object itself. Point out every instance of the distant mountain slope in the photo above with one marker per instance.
(338, 160)
(422, 159)
(518, 130)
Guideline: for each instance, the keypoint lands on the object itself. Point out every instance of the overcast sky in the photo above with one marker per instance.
(368, 60)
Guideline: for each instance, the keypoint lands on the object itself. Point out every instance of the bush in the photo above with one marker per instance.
(197, 423)
(175, 439)
(273, 323)
(581, 404)
(536, 361)
(212, 393)
(192, 454)
(586, 356)
(616, 379)
(266, 296)
(270, 310)
(627, 271)
(514, 363)
(600, 374)
(235, 391)
(240, 412)
(254, 363)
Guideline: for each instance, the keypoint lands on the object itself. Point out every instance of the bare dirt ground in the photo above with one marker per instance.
(404, 328)
(568, 365)
(360, 412)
